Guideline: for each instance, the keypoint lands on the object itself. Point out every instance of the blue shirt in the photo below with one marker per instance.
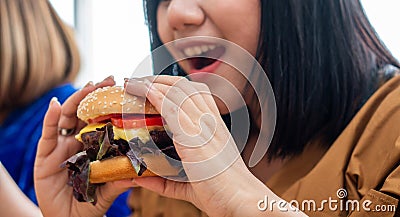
(20, 133)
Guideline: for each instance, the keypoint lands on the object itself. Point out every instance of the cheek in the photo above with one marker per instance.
(162, 26)
(252, 32)
(241, 26)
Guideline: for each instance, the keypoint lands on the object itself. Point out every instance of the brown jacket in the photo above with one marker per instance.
(361, 169)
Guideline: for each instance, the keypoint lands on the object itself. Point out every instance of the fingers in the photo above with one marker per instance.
(189, 96)
(164, 187)
(186, 106)
(64, 117)
(173, 99)
(109, 81)
(48, 141)
(172, 113)
(50, 151)
(107, 193)
(68, 119)
(48, 155)
(191, 127)
(199, 93)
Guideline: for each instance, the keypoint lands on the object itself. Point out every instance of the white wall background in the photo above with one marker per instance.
(120, 38)
(65, 9)
(385, 17)
(112, 36)
(114, 39)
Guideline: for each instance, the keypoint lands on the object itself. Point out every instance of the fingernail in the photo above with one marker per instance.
(134, 82)
(136, 87)
(126, 81)
(110, 77)
(90, 83)
(134, 184)
(54, 101)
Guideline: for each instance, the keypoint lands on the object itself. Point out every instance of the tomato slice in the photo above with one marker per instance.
(136, 122)
(104, 118)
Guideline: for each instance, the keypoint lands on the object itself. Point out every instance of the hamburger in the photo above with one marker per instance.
(125, 137)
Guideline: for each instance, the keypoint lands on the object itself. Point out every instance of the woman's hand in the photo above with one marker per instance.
(219, 182)
(54, 196)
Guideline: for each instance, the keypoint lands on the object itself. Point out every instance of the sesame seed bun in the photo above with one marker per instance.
(112, 100)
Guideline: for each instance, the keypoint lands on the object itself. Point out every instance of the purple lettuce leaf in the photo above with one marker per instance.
(78, 166)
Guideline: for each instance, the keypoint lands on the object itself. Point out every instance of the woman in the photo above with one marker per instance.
(336, 94)
(39, 60)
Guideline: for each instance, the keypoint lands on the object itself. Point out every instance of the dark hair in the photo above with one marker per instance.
(322, 59)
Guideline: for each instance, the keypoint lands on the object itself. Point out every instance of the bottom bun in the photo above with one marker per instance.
(119, 168)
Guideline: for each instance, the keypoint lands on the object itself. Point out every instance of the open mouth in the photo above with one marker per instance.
(199, 63)
(206, 60)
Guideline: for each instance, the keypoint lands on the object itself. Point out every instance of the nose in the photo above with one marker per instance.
(183, 13)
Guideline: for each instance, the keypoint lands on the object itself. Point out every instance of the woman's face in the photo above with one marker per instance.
(237, 21)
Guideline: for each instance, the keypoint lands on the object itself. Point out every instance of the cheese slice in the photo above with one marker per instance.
(120, 133)
(88, 128)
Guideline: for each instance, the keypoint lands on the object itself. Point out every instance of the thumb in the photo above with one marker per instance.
(107, 193)
(165, 187)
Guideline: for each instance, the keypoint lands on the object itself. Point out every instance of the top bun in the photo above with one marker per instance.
(112, 100)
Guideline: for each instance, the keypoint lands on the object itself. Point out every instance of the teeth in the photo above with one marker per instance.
(204, 48)
(189, 51)
(197, 50)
